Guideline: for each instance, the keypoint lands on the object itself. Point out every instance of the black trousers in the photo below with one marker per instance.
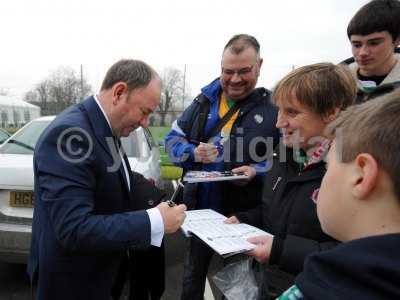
(145, 270)
(196, 265)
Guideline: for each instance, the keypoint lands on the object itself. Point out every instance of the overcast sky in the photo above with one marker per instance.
(38, 36)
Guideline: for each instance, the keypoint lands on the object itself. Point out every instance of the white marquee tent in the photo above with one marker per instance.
(14, 112)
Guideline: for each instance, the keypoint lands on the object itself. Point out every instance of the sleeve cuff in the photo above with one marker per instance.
(276, 251)
(157, 226)
(242, 217)
(190, 149)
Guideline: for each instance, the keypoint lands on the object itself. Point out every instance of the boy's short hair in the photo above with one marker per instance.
(376, 16)
(374, 128)
(321, 87)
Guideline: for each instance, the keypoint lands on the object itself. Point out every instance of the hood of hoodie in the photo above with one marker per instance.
(367, 269)
(393, 76)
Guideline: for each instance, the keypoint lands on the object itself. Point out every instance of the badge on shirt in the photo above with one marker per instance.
(258, 118)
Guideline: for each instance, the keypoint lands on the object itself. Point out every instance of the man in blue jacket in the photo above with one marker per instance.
(200, 140)
(82, 223)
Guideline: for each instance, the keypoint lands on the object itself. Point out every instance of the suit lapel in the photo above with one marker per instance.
(130, 178)
(104, 135)
(99, 124)
(128, 168)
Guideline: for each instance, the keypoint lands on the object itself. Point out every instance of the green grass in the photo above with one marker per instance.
(159, 133)
(168, 170)
(164, 158)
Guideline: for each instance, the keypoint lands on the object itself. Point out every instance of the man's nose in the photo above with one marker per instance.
(236, 77)
(364, 50)
(281, 121)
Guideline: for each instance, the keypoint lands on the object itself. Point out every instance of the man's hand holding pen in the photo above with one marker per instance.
(173, 216)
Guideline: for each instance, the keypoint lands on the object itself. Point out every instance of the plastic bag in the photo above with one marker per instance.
(237, 281)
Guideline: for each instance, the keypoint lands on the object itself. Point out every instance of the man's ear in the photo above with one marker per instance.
(118, 91)
(397, 42)
(365, 175)
(260, 62)
(331, 116)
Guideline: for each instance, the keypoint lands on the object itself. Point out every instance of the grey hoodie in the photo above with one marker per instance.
(391, 82)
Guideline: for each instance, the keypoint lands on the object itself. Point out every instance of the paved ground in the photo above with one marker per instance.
(14, 284)
(175, 248)
(175, 251)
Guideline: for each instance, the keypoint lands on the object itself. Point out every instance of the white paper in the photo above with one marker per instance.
(204, 176)
(225, 239)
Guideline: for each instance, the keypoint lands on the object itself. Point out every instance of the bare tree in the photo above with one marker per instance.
(59, 90)
(39, 95)
(172, 92)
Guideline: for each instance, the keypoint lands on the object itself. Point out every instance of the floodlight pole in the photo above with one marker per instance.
(183, 89)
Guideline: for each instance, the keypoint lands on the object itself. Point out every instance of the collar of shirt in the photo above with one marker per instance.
(117, 144)
(224, 106)
(319, 154)
(102, 110)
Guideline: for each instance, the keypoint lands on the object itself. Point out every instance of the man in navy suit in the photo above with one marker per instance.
(82, 224)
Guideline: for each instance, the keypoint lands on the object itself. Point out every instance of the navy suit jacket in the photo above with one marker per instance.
(82, 223)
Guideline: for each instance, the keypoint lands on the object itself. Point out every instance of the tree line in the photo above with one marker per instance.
(64, 87)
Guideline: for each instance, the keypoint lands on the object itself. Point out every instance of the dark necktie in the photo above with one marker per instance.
(118, 146)
(117, 143)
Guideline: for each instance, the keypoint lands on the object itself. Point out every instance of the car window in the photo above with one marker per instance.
(131, 145)
(3, 136)
(149, 138)
(136, 144)
(24, 140)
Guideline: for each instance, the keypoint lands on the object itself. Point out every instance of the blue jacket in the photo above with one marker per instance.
(81, 222)
(256, 120)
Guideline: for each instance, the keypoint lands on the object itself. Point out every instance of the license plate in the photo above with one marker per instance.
(21, 199)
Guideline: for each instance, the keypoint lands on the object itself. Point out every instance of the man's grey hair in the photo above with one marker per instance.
(135, 73)
(240, 42)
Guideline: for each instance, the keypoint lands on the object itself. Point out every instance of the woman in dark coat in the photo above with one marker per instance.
(308, 99)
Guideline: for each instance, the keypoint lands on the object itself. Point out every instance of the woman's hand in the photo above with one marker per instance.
(232, 220)
(250, 172)
(262, 251)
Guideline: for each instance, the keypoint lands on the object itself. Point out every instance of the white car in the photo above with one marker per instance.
(3, 136)
(16, 181)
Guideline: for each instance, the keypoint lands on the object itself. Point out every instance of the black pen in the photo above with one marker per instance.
(171, 202)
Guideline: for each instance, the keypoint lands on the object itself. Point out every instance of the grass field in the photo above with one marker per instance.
(168, 170)
(159, 132)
